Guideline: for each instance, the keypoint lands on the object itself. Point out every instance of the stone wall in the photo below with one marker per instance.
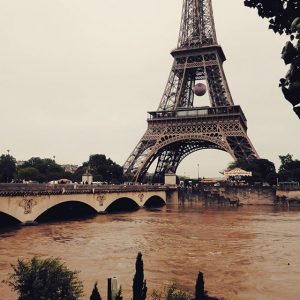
(244, 195)
(251, 195)
(290, 195)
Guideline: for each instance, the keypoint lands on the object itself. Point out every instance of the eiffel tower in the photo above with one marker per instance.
(177, 128)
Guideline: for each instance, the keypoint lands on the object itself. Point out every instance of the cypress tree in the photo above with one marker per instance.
(139, 286)
(119, 295)
(200, 292)
(95, 293)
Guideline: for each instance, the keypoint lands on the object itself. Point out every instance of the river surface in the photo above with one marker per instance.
(245, 253)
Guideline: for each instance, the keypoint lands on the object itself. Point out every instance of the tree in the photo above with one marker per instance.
(284, 17)
(102, 169)
(173, 293)
(139, 286)
(285, 161)
(290, 85)
(119, 295)
(289, 169)
(29, 173)
(280, 13)
(49, 279)
(200, 292)
(95, 293)
(42, 170)
(7, 168)
(105, 168)
(262, 170)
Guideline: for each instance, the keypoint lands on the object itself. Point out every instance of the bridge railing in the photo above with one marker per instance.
(16, 189)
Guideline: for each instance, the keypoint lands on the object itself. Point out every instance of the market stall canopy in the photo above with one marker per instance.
(237, 172)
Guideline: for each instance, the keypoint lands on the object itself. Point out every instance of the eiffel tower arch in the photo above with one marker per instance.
(177, 128)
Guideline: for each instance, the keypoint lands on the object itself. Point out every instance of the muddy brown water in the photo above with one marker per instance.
(245, 253)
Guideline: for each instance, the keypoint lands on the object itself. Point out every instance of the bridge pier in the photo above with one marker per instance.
(172, 196)
(29, 223)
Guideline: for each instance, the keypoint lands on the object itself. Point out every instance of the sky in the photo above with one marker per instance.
(78, 77)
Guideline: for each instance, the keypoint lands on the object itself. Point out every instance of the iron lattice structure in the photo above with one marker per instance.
(178, 128)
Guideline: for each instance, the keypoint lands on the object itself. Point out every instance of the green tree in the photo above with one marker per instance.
(7, 168)
(289, 169)
(29, 173)
(200, 292)
(119, 295)
(173, 293)
(95, 293)
(49, 279)
(77, 176)
(280, 13)
(290, 85)
(285, 160)
(106, 168)
(102, 169)
(262, 170)
(47, 170)
(139, 286)
(284, 17)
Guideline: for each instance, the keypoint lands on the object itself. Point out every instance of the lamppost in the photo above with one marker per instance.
(198, 172)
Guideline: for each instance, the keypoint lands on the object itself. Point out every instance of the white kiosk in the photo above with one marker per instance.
(87, 177)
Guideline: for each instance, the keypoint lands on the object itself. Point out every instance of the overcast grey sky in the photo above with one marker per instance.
(78, 77)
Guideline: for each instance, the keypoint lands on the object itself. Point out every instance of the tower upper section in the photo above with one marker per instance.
(197, 27)
(198, 57)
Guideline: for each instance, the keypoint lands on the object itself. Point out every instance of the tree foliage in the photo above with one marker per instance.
(119, 294)
(7, 168)
(171, 292)
(49, 279)
(41, 169)
(284, 17)
(262, 170)
(200, 292)
(102, 169)
(280, 13)
(95, 293)
(139, 286)
(29, 173)
(46, 169)
(290, 85)
(289, 169)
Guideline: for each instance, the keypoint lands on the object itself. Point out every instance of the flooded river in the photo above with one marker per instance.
(245, 253)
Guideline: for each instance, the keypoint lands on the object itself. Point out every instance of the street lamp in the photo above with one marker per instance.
(198, 172)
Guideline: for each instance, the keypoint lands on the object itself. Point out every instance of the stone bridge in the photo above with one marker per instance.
(26, 203)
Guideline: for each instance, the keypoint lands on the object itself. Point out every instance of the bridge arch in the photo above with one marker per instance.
(42, 206)
(122, 204)
(154, 201)
(7, 220)
(66, 209)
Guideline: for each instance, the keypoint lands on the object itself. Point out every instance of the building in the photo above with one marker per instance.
(87, 177)
(70, 168)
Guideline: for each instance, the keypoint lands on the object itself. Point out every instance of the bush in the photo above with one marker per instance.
(49, 279)
(171, 292)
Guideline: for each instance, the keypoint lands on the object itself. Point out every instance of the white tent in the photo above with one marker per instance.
(237, 172)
